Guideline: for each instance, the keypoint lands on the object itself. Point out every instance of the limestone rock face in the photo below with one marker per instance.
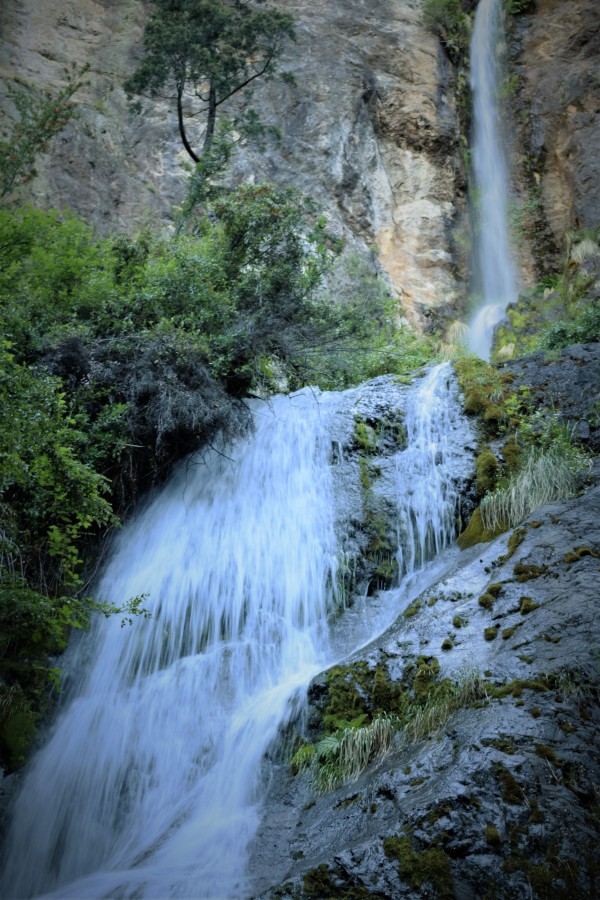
(369, 129)
(559, 61)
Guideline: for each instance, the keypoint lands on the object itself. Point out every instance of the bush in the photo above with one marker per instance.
(583, 329)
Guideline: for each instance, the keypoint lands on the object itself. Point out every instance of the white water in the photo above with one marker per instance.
(427, 473)
(493, 252)
(149, 786)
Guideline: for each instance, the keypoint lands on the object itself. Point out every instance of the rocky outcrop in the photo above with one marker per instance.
(503, 797)
(370, 129)
(556, 54)
(569, 384)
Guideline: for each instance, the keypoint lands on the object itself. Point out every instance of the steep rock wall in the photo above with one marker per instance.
(556, 52)
(369, 130)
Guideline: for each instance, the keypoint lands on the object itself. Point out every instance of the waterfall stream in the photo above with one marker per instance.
(149, 784)
(492, 245)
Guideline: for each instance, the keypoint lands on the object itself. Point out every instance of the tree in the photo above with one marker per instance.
(41, 116)
(213, 49)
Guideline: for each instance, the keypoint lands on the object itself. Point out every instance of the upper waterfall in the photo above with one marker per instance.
(492, 245)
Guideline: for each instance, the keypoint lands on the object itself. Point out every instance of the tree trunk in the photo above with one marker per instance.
(212, 118)
(186, 143)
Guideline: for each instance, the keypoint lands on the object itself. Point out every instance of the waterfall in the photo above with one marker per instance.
(492, 245)
(427, 472)
(149, 785)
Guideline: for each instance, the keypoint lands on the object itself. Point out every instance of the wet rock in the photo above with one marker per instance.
(506, 788)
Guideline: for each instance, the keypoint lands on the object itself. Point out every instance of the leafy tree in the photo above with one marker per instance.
(211, 49)
(40, 117)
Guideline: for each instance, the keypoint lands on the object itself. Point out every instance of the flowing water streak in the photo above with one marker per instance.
(493, 253)
(149, 781)
(429, 469)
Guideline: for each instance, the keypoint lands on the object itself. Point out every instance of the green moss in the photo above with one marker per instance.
(347, 690)
(492, 835)
(548, 754)
(486, 600)
(486, 468)
(458, 622)
(512, 791)
(431, 866)
(475, 401)
(528, 573)
(578, 553)
(511, 453)
(516, 538)
(552, 639)
(412, 609)
(385, 696)
(515, 688)
(525, 659)
(474, 533)
(566, 727)
(365, 437)
(536, 817)
(319, 884)
(428, 670)
(365, 478)
(495, 589)
(505, 745)
(508, 632)
(527, 605)
(439, 812)
(490, 633)
(447, 644)
(432, 601)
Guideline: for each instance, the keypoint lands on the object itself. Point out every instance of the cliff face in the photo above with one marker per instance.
(369, 130)
(556, 51)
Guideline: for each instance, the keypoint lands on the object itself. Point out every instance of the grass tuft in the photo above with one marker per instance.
(546, 476)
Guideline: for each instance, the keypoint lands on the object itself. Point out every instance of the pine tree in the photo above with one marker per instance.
(211, 50)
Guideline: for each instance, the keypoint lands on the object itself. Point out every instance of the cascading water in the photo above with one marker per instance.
(149, 785)
(427, 474)
(493, 253)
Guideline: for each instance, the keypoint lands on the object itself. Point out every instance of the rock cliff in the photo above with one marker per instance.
(370, 128)
(555, 53)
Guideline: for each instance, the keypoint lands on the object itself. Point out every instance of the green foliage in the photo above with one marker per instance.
(450, 21)
(40, 116)
(365, 709)
(369, 314)
(584, 327)
(210, 50)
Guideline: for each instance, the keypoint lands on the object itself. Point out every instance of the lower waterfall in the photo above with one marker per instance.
(149, 784)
